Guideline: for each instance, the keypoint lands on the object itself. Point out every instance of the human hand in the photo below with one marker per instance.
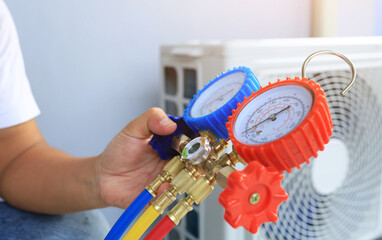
(128, 163)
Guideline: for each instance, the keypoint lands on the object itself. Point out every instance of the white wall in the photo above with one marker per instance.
(94, 64)
(378, 19)
(356, 18)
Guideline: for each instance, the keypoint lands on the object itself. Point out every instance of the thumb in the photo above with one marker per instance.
(152, 121)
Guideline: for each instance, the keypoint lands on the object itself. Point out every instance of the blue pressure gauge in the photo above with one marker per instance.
(210, 108)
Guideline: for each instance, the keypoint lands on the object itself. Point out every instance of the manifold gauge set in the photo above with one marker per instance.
(272, 129)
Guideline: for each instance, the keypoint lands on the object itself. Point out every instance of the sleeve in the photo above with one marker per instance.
(17, 104)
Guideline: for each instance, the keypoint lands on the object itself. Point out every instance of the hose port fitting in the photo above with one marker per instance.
(174, 166)
(183, 181)
(170, 170)
(179, 211)
(164, 200)
(200, 190)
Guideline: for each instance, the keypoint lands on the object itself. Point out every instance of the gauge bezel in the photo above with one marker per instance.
(215, 121)
(300, 144)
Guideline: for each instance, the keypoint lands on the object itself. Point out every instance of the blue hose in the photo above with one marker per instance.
(129, 215)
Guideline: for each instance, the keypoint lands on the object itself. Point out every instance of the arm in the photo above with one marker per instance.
(37, 177)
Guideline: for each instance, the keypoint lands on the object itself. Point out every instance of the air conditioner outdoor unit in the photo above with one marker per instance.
(338, 195)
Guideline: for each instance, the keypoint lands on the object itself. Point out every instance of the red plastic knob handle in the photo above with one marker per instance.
(252, 197)
(299, 145)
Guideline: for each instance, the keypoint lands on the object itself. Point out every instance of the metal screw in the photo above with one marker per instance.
(254, 198)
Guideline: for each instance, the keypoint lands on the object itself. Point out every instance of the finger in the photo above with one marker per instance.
(164, 186)
(152, 121)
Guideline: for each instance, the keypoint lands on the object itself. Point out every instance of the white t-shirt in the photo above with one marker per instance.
(17, 104)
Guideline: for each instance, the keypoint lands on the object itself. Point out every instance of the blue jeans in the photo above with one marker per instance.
(18, 224)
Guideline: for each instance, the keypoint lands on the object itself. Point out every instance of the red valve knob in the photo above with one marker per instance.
(252, 196)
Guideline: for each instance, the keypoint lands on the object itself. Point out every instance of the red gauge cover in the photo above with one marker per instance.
(299, 145)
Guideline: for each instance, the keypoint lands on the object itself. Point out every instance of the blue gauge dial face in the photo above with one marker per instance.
(218, 94)
(272, 114)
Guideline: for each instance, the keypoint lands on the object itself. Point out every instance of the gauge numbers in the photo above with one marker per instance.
(217, 94)
(272, 114)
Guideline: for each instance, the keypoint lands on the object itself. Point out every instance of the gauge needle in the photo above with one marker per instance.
(219, 98)
(271, 117)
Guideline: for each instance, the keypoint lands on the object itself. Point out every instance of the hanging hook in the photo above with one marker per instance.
(354, 72)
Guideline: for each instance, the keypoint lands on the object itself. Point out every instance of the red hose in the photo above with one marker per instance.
(160, 231)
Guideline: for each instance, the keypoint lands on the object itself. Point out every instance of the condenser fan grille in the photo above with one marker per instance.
(352, 209)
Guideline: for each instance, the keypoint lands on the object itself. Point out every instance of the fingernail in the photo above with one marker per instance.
(166, 122)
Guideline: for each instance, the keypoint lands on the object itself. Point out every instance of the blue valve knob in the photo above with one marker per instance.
(163, 144)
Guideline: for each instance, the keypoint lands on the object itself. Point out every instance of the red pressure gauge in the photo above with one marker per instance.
(277, 128)
(282, 125)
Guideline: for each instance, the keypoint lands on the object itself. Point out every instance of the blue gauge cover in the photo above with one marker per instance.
(215, 121)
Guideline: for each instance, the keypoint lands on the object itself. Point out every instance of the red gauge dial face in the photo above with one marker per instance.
(272, 114)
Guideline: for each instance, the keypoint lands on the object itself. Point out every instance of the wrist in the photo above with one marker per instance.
(93, 189)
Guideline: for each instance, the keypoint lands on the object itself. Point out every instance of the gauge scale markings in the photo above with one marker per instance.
(273, 114)
(255, 134)
(217, 94)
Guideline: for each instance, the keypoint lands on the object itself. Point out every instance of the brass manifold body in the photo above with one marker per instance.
(202, 163)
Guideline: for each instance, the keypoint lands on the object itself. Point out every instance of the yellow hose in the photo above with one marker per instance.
(140, 226)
